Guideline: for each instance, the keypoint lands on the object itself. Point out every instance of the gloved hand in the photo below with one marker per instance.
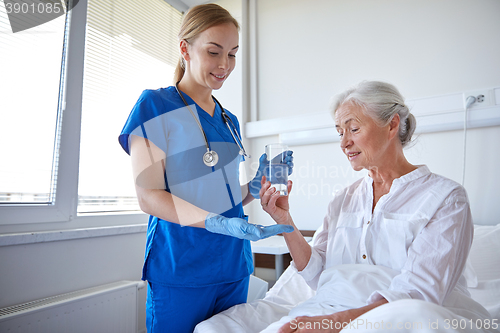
(254, 185)
(240, 228)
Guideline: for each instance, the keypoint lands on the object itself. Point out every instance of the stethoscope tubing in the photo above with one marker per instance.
(194, 116)
(225, 117)
(234, 132)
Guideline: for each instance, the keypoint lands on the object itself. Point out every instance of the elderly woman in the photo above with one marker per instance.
(401, 235)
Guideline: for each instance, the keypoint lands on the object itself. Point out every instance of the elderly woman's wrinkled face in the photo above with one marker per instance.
(362, 140)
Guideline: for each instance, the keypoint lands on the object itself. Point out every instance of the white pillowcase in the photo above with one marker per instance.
(485, 252)
(483, 268)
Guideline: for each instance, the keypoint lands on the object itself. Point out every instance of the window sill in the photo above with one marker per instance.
(61, 235)
(109, 213)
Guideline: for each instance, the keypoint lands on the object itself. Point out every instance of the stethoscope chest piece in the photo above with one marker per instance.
(210, 158)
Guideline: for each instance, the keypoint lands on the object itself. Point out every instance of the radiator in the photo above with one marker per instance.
(104, 309)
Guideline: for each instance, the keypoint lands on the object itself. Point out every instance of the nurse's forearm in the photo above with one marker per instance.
(168, 207)
(300, 250)
(246, 195)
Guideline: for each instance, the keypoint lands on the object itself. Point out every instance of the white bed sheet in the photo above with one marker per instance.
(483, 277)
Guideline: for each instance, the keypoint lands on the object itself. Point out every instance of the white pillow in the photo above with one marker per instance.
(484, 266)
(484, 255)
(257, 288)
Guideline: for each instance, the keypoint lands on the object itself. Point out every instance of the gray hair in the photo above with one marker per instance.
(381, 101)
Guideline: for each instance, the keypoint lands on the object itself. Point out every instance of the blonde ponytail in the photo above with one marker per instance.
(179, 70)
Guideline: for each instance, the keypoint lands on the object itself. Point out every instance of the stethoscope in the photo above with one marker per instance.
(210, 158)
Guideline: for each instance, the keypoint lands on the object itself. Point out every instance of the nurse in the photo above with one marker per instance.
(198, 257)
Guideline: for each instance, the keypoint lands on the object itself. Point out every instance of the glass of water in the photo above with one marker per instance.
(277, 169)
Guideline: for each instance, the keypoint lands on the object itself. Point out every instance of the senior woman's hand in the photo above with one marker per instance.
(333, 323)
(275, 205)
(316, 324)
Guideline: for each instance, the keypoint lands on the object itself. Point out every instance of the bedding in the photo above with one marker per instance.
(483, 280)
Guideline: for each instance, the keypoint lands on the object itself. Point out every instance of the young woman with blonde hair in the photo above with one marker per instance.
(185, 150)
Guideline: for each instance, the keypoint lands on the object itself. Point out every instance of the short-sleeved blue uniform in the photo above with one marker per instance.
(182, 260)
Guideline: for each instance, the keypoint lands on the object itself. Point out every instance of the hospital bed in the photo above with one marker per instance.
(482, 274)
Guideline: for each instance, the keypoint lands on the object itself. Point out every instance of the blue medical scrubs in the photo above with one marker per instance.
(190, 268)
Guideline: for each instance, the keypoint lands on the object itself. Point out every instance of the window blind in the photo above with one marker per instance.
(130, 46)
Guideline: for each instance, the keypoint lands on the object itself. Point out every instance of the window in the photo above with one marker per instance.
(130, 46)
(67, 87)
(29, 95)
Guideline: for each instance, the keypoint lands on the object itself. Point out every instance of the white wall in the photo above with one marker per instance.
(310, 50)
(34, 271)
(45, 269)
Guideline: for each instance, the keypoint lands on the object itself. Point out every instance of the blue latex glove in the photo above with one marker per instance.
(254, 185)
(240, 228)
